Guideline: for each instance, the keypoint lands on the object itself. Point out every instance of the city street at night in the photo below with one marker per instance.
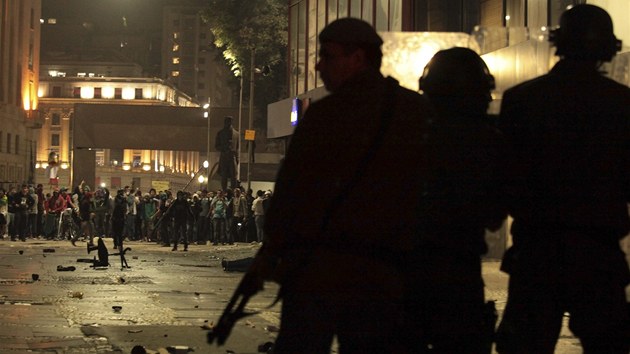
(166, 300)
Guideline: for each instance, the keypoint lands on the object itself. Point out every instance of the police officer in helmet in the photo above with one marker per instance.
(461, 199)
(569, 169)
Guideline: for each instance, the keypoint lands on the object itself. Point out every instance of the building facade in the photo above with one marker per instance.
(191, 61)
(509, 34)
(19, 79)
(59, 91)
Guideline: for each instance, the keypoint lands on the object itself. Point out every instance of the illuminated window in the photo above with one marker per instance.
(175, 60)
(81, 74)
(52, 21)
(87, 92)
(175, 47)
(108, 92)
(175, 35)
(128, 93)
(175, 73)
(100, 158)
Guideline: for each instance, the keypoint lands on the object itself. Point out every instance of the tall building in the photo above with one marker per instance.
(19, 79)
(189, 58)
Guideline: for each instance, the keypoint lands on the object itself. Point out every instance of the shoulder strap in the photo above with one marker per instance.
(384, 124)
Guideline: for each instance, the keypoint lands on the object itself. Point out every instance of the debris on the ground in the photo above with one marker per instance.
(61, 268)
(138, 349)
(76, 295)
(272, 328)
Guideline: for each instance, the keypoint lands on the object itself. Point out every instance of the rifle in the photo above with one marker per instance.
(249, 285)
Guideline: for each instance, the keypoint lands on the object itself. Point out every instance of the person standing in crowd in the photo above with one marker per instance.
(239, 214)
(101, 208)
(137, 227)
(461, 200)
(86, 212)
(4, 205)
(250, 223)
(202, 218)
(119, 214)
(31, 228)
(23, 203)
(191, 226)
(41, 198)
(130, 222)
(259, 215)
(179, 211)
(218, 209)
(338, 256)
(11, 196)
(149, 210)
(229, 216)
(164, 220)
(569, 134)
(56, 205)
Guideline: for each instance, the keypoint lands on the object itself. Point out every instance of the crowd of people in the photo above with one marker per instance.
(219, 217)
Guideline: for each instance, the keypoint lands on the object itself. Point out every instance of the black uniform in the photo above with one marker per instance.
(570, 132)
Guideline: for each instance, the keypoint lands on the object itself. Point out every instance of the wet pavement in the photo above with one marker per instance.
(166, 300)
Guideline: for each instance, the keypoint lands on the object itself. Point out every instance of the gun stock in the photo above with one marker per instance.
(235, 310)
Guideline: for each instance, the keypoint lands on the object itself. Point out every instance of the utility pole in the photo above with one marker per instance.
(250, 144)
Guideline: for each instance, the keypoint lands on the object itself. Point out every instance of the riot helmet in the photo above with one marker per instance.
(585, 33)
(457, 72)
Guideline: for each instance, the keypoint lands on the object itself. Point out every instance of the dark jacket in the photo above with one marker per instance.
(570, 161)
(337, 188)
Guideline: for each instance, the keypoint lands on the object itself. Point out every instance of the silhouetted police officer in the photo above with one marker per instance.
(461, 199)
(570, 173)
(344, 213)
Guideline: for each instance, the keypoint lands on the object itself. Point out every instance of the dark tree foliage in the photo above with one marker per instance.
(238, 27)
